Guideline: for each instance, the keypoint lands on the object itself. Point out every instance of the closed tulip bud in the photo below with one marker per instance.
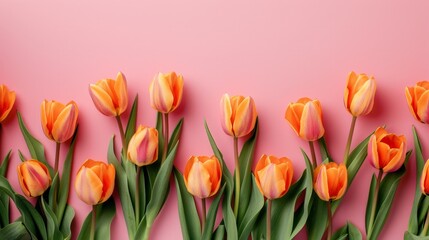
(418, 101)
(58, 120)
(359, 94)
(95, 182)
(238, 115)
(33, 178)
(273, 176)
(305, 118)
(203, 176)
(165, 92)
(110, 96)
(330, 181)
(143, 146)
(424, 180)
(7, 99)
(386, 151)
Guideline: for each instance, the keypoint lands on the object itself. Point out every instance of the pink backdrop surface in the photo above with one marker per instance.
(275, 52)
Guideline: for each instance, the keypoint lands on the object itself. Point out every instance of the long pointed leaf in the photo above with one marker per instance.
(211, 215)
(131, 125)
(254, 208)
(15, 230)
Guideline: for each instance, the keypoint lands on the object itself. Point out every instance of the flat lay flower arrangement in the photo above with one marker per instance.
(262, 197)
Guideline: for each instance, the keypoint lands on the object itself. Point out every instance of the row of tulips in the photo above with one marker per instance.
(263, 204)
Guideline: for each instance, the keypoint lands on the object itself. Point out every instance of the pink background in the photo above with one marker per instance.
(275, 52)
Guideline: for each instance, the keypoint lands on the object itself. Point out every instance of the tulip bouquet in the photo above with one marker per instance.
(146, 159)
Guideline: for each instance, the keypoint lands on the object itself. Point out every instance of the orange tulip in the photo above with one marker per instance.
(166, 92)
(7, 99)
(386, 151)
(305, 118)
(33, 178)
(359, 94)
(110, 96)
(424, 180)
(238, 115)
(143, 146)
(273, 176)
(330, 181)
(58, 120)
(418, 101)
(95, 181)
(202, 176)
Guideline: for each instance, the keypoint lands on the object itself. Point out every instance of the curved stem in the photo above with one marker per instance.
(313, 154)
(349, 140)
(57, 155)
(329, 220)
(147, 231)
(237, 177)
(166, 134)
(121, 131)
(203, 217)
(269, 203)
(374, 204)
(426, 226)
(92, 232)
(137, 196)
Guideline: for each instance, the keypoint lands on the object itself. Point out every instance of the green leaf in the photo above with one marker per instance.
(5, 164)
(348, 231)
(51, 190)
(414, 222)
(219, 234)
(66, 222)
(188, 214)
(103, 220)
(175, 135)
(423, 210)
(131, 125)
(411, 236)
(122, 187)
(211, 215)
(52, 225)
(227, 211)
(36, 149)
(21, 156)
(317, 225)
(254, 208)
(324, 149)
(246, 160)
(30, 217)
(15, 230)
(260, 228)
(370, 201)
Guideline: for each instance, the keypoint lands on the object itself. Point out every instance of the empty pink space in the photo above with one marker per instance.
(276, 52)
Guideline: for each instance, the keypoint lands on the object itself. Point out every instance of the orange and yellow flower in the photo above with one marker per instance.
(95, 182)
(203, 176)
(273, 176)
(386, 151)
(58, 120)
(143, 146)
(238, 115)
(7, 99)
(418, 100)
(330, 181)
(359, 94)
(33, 177)
(305, 118)
(166, 92)
(110, 96)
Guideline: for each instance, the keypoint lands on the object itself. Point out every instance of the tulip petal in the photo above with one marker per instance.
(226, 112)
(65, 123)
(198, 180)
(102, 100)
(161, 97)
(271, 181)
(424, 180)
(321, 185)
(423, 107)
(245, 118)
(177, 89)
(88, 186)
(108, 182)
(293, 116)
(363, 100)
(311, 123)
(121, 94)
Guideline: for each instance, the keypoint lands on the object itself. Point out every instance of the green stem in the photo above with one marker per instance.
(237, 177)
(137, 196)
(426, 226)
(203, 217)
(166, 134)
(57, 155)
(269, 203)
(147, 231)
(329, 220)
(92, 232)
(349, 140)
(121, 131)
(374, 204)
(313, 154)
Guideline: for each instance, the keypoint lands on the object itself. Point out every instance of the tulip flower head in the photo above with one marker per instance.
(386, 151)
(273, 176)
(202, 176)
(424, 180)
(418, 101)
(166, 92)
(238, 115)
(95, 182)
(110, 96)
(143, 146)
(330, 181)
(359, 94)
(33, 178)
(58, 120)
(305, 118)
(7, 99)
